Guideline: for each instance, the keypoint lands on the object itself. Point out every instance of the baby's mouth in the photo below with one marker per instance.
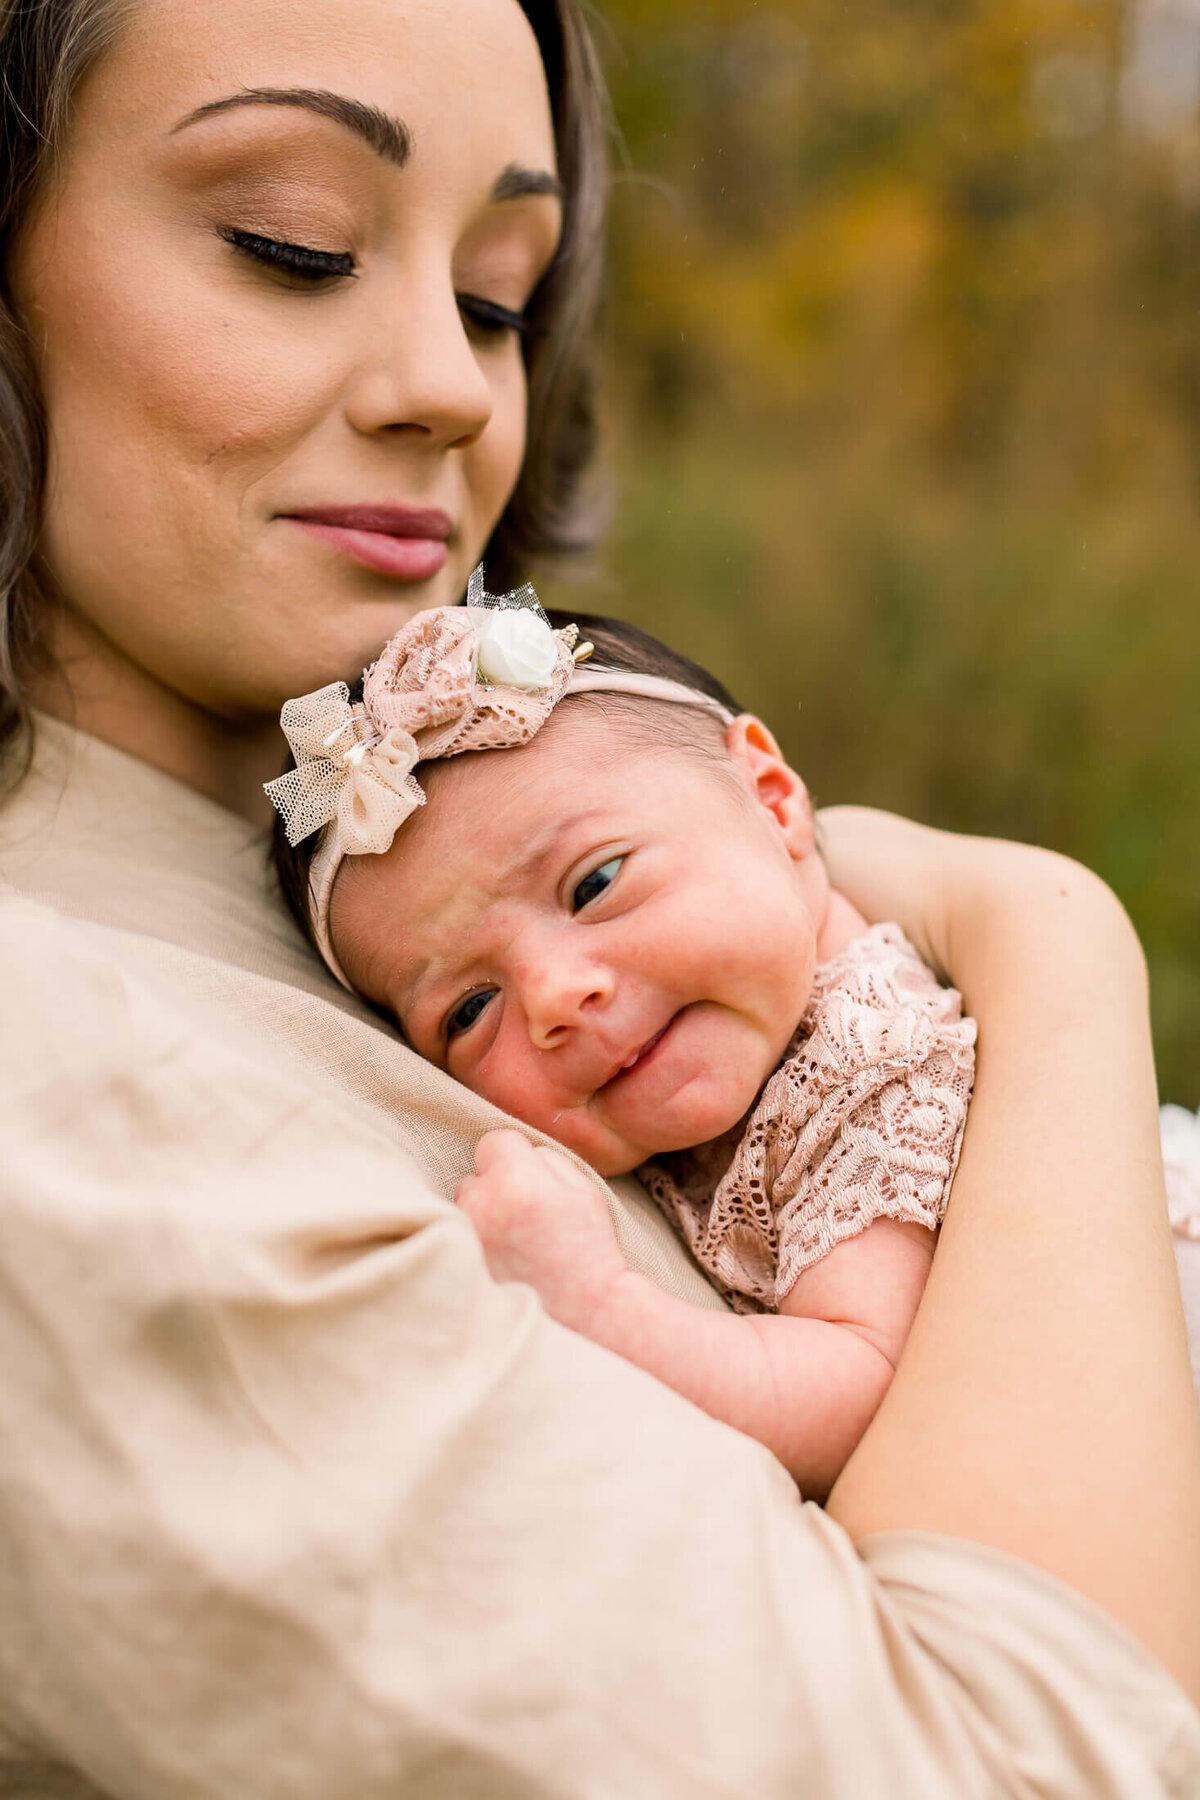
(639, 1056)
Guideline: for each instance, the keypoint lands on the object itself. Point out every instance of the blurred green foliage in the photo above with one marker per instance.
(903, 396)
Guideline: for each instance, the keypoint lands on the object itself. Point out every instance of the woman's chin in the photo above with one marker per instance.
(311, 633)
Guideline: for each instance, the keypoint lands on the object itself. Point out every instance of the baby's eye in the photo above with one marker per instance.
(595, 884)
(465, 1014)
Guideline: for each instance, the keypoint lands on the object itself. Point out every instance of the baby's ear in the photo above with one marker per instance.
(773, 783)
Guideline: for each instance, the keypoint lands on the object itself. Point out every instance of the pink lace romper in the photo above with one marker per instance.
(862, 1120)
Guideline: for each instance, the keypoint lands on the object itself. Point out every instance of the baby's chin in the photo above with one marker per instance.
(712, 1127)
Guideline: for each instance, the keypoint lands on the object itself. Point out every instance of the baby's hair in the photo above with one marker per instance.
(655, 723)
(620, 645)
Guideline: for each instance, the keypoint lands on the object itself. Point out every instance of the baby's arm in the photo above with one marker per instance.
(805, 1382)
(871, 1284)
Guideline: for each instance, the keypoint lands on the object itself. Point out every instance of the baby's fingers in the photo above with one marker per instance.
(502, 1152)
(554, 1167)
(508, 1189)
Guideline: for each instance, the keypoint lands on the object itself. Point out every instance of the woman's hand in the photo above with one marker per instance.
(543, 1222)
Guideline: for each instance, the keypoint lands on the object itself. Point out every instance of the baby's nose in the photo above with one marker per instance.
(560, 997)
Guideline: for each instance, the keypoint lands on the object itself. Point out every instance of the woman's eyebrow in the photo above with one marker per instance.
(516, 182)
(388, 137)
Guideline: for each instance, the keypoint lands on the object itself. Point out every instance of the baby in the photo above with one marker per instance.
(611, 919)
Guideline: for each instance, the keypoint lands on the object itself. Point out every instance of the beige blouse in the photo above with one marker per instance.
(296, 1502)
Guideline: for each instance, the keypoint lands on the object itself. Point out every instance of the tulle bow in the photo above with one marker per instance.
(433, 692)
(346, 773)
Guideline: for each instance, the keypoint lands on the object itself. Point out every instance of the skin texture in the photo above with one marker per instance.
(702, 933)
(196, 397)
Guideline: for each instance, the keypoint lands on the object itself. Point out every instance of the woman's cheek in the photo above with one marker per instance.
(494, 462)
(158, 359)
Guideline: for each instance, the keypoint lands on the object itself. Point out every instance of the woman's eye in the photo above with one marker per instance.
(487, 319)
(291, 259)
(465, 1015)
(595, 884)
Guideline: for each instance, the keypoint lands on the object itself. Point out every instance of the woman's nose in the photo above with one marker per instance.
(560, 996)
(420, 374)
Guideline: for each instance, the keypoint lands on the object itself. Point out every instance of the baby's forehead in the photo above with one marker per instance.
(490, 815)
(592, 734)
(495, 828)
(499, 830)
(484, 830)
(576, 750)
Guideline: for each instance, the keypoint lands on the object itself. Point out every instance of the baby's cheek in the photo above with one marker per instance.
(502, 1076)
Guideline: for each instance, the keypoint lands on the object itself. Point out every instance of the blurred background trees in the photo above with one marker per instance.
(903, 401)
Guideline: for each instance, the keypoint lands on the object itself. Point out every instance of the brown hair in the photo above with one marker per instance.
(46, 48)
(655, 724)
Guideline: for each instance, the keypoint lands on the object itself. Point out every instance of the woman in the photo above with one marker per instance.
(293, 1499)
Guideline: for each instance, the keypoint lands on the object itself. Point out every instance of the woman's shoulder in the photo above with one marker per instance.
(43, 951)
(83, 1006)
(120, 847)
(138, 1079)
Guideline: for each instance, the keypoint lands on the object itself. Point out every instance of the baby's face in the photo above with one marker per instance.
(612, 944)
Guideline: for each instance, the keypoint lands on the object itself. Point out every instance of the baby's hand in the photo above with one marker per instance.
(542, 1221)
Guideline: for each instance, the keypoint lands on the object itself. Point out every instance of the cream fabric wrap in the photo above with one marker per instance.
(296, 1503)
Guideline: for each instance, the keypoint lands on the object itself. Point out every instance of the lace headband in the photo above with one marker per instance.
(484, 676)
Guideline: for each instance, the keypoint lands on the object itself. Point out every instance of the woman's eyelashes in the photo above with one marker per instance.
(484, 319)
(298, 260)
(597, 882)
(488, 319)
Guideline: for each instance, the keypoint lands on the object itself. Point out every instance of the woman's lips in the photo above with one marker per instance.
(406, 542)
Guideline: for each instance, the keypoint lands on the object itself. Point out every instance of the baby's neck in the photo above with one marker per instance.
(841, 925)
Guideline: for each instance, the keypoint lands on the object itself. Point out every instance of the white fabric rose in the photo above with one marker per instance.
(517, 649)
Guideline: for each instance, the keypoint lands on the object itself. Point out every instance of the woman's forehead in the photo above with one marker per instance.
(428, 67)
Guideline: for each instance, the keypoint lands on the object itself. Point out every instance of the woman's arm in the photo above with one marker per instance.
(1044, 1405)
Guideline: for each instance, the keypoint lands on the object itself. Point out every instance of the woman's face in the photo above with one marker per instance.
(275, 297)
